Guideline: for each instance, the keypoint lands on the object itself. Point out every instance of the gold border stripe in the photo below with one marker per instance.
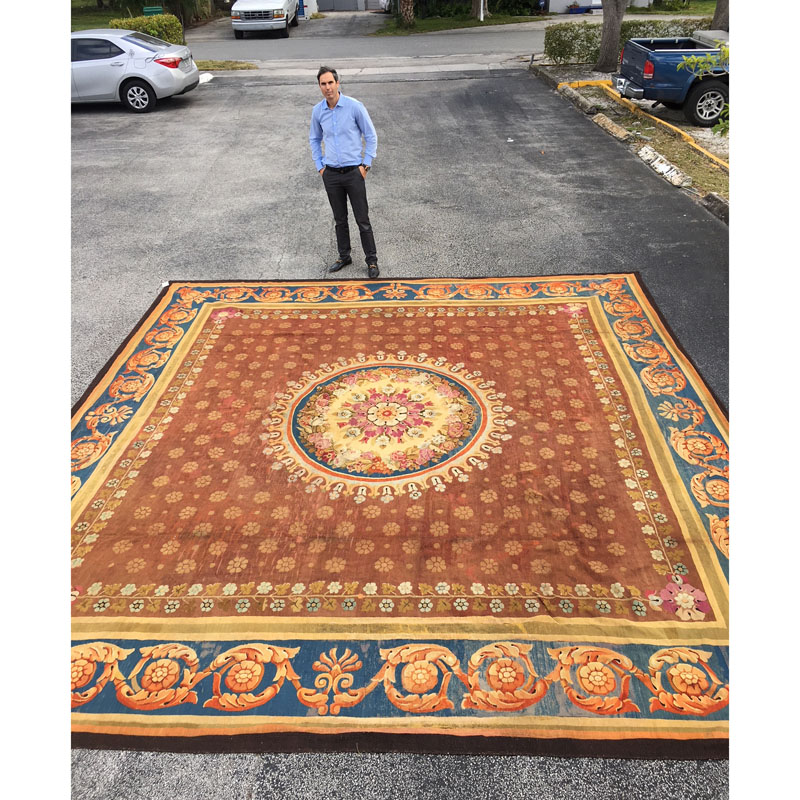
(527, 726)
(225, 629)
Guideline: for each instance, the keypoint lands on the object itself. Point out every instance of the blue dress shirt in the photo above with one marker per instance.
(341, 128)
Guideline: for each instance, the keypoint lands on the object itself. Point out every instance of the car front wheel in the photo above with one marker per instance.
(138, 96)
(705, 102)
(238, 34)
(285, 31)
(295, 20)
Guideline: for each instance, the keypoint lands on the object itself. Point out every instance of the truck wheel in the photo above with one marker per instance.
(238, 34)
(705, 102)
(296, 21)
(285, 31)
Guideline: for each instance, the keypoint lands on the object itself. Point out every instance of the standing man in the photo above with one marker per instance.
(341, 122)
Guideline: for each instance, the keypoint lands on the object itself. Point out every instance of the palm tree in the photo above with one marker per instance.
(184, 10)
(407, 12)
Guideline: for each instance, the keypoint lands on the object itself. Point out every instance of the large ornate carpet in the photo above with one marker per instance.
(442, 515)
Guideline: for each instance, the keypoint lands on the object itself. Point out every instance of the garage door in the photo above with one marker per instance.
(338, 5)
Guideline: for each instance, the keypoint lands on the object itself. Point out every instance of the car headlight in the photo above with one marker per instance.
(278, 14)
(236, 15)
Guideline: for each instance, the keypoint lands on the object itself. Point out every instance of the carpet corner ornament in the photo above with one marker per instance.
(473, 508)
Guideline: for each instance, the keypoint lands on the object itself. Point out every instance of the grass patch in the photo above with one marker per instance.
(705, 174)
(86, 15)
(696, 8)
(394, 28)
(211, 66)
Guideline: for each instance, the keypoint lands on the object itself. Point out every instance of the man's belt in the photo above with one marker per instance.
(343, 169)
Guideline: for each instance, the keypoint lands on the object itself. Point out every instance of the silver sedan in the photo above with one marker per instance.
(129, 67)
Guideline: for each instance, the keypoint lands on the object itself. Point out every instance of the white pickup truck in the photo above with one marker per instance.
(264, 15)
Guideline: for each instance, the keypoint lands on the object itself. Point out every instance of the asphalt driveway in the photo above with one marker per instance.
(475, 176)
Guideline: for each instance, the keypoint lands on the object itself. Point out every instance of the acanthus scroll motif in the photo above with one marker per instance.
(662, 377)
(500, 677)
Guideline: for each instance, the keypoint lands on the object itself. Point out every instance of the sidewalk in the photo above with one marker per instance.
(387, 65)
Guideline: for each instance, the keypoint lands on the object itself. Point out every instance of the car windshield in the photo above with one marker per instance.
(148, 42)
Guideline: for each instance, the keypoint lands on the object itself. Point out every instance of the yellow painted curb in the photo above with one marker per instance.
(578, 84)
(606, 87)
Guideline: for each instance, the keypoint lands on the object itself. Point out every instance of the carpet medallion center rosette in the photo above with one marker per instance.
(386, 426)
(438, 514)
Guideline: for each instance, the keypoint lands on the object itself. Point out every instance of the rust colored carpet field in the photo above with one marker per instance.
(434, 515)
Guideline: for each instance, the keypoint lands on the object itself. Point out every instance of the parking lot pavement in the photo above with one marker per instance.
(475, 177)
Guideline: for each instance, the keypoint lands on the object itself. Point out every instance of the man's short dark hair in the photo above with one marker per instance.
(322, 70)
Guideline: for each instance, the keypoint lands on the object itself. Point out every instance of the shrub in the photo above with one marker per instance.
(660, 28)
(672, 5)
(425, 9)
(579, 42)
(515, 8)
(162, 26)
(572, 42)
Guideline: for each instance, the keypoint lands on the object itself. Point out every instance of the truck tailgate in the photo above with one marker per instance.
(665, 82)
(632, 64)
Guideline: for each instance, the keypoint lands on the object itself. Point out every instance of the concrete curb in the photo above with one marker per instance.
(579, 100)
(543, 76)
(617, 131)
(666, 169)
(717, 205)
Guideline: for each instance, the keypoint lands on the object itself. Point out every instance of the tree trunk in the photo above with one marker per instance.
(407, 12)
(476, 9)
(720, 21)
(613, 12)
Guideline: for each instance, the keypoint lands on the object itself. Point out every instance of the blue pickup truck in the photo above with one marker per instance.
(648, 70)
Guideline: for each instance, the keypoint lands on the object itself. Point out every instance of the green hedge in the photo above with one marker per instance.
(579, 42)
(162, 26)
(672, 5)
(516, 8)
(424, 9)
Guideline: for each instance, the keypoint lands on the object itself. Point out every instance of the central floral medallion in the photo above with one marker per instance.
(386, 420)
(375, 428)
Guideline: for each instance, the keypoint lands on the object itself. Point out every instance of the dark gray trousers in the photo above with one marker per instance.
(340, 186)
